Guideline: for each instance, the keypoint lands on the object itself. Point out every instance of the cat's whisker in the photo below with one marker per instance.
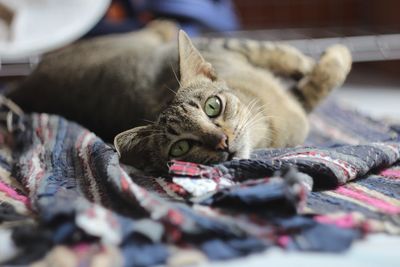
(256, 125)
(241, 122)
(267, 139)
(252, 117)
(176, 76)
(244, 122)
(247, 114)
(253, 125)
(170, 89)
(251, 105)
(258, 117)
(149, 121)
(260, 111)
(248, 107)
(254, 121)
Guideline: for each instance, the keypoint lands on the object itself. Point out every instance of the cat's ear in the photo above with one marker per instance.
(134, 146)
(191, 64)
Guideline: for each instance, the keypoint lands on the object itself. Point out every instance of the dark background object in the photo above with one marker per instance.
(329, 18)
(364, 14)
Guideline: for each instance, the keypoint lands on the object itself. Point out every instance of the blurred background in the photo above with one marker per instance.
(370, 28)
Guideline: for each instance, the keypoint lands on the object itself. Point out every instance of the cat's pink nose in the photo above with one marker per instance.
(223, 143)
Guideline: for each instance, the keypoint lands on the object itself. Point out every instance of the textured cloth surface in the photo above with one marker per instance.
(64, 196)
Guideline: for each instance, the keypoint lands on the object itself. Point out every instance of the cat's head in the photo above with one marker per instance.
(205, 123)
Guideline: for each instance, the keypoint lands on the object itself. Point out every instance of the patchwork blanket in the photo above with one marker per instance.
(65, 198)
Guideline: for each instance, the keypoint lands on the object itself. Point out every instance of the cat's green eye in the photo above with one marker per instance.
(213, 107)
(179, 148)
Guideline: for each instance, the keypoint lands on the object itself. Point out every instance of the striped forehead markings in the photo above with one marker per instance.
(193, 104)
(182, 106)
(171, 130)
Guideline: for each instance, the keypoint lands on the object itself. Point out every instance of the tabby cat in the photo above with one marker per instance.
(207, 101)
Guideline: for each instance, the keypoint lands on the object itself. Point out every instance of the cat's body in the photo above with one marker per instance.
(210, 112)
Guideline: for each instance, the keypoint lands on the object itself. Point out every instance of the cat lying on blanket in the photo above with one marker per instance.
(201, 100)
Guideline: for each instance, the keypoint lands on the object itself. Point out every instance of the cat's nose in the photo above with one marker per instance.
(223, 143)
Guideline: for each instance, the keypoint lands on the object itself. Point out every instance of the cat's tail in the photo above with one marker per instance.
(329, 72)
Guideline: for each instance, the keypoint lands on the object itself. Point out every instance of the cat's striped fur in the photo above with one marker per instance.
(119, 83)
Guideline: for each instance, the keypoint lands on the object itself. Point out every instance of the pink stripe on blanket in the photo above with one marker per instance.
(346, 221)
(283, 241)
(381, 205)
(391, 173)
(13, 194)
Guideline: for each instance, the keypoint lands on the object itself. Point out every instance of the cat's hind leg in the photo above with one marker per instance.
(282, 59)
(330, 72)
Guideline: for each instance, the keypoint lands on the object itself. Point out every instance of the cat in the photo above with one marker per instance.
(204, 101)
